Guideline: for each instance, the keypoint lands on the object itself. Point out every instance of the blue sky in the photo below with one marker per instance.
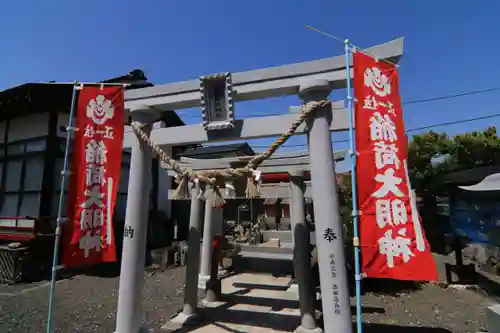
(450, 46)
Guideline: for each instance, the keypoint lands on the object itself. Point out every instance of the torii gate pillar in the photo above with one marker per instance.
(301, 259)
(135, 231)
(206, 245)
(328, 222)
(189, 313)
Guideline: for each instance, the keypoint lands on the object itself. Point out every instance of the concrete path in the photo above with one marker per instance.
(253, 304)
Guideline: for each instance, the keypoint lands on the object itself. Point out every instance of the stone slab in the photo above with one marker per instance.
(252, 311)
(261, 279)
(493, 318)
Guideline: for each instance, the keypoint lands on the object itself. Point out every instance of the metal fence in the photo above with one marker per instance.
(11, 264)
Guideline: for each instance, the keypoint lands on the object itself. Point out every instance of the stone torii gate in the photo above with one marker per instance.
(216, 95)
(294, 163)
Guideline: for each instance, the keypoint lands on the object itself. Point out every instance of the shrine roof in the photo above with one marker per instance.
(470, 176)
(215, 151)
(488, 184)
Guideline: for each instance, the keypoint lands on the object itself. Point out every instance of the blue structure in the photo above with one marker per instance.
(475, 210)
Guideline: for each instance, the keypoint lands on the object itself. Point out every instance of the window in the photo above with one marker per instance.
(9, 207)
(13, 171)
(34, 173)
(15, 149)
(21, 174)
(58, 167)
(29, 205)
(55, 205)
(36, 146)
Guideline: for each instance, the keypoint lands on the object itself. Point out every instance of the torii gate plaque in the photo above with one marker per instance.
(217, 108)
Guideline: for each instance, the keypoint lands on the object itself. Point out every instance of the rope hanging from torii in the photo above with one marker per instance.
(217, 178)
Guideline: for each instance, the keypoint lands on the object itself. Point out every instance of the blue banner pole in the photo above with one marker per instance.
(60, 219)
(355, 213)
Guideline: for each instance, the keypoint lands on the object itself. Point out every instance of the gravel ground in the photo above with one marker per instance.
(431, 309)
(88, 304)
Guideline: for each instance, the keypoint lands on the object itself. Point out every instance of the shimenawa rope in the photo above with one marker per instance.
(218, 178)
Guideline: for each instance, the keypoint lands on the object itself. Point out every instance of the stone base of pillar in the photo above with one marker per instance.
(180, 321)
(212, 305)
(213, 291)
(202, 281)
(294, 288)
(301, 329)
(141, 330)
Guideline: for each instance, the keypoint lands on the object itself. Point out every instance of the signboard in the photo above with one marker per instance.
(217, 108)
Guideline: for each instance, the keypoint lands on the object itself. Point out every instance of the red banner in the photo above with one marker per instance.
(95, 174)
(393, 243)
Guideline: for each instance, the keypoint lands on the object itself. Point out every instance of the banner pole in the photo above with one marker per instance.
(355, 213)
(60, 219)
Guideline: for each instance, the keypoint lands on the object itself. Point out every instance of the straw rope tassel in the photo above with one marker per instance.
(182, 190)
(217, 198)
(252, 190)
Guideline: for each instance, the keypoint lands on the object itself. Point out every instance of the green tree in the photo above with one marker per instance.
(473, 149)
(432, 155)
(424, 152)
(345, 201)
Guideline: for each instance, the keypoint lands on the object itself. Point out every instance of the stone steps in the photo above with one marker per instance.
(285, 236)
(285, 248)
(264, 255)
(263, 262)
(268, 257)
(262, 282)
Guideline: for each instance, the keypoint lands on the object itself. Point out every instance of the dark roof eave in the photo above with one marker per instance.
(31, 98)
(219, 149)
(469, 176)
